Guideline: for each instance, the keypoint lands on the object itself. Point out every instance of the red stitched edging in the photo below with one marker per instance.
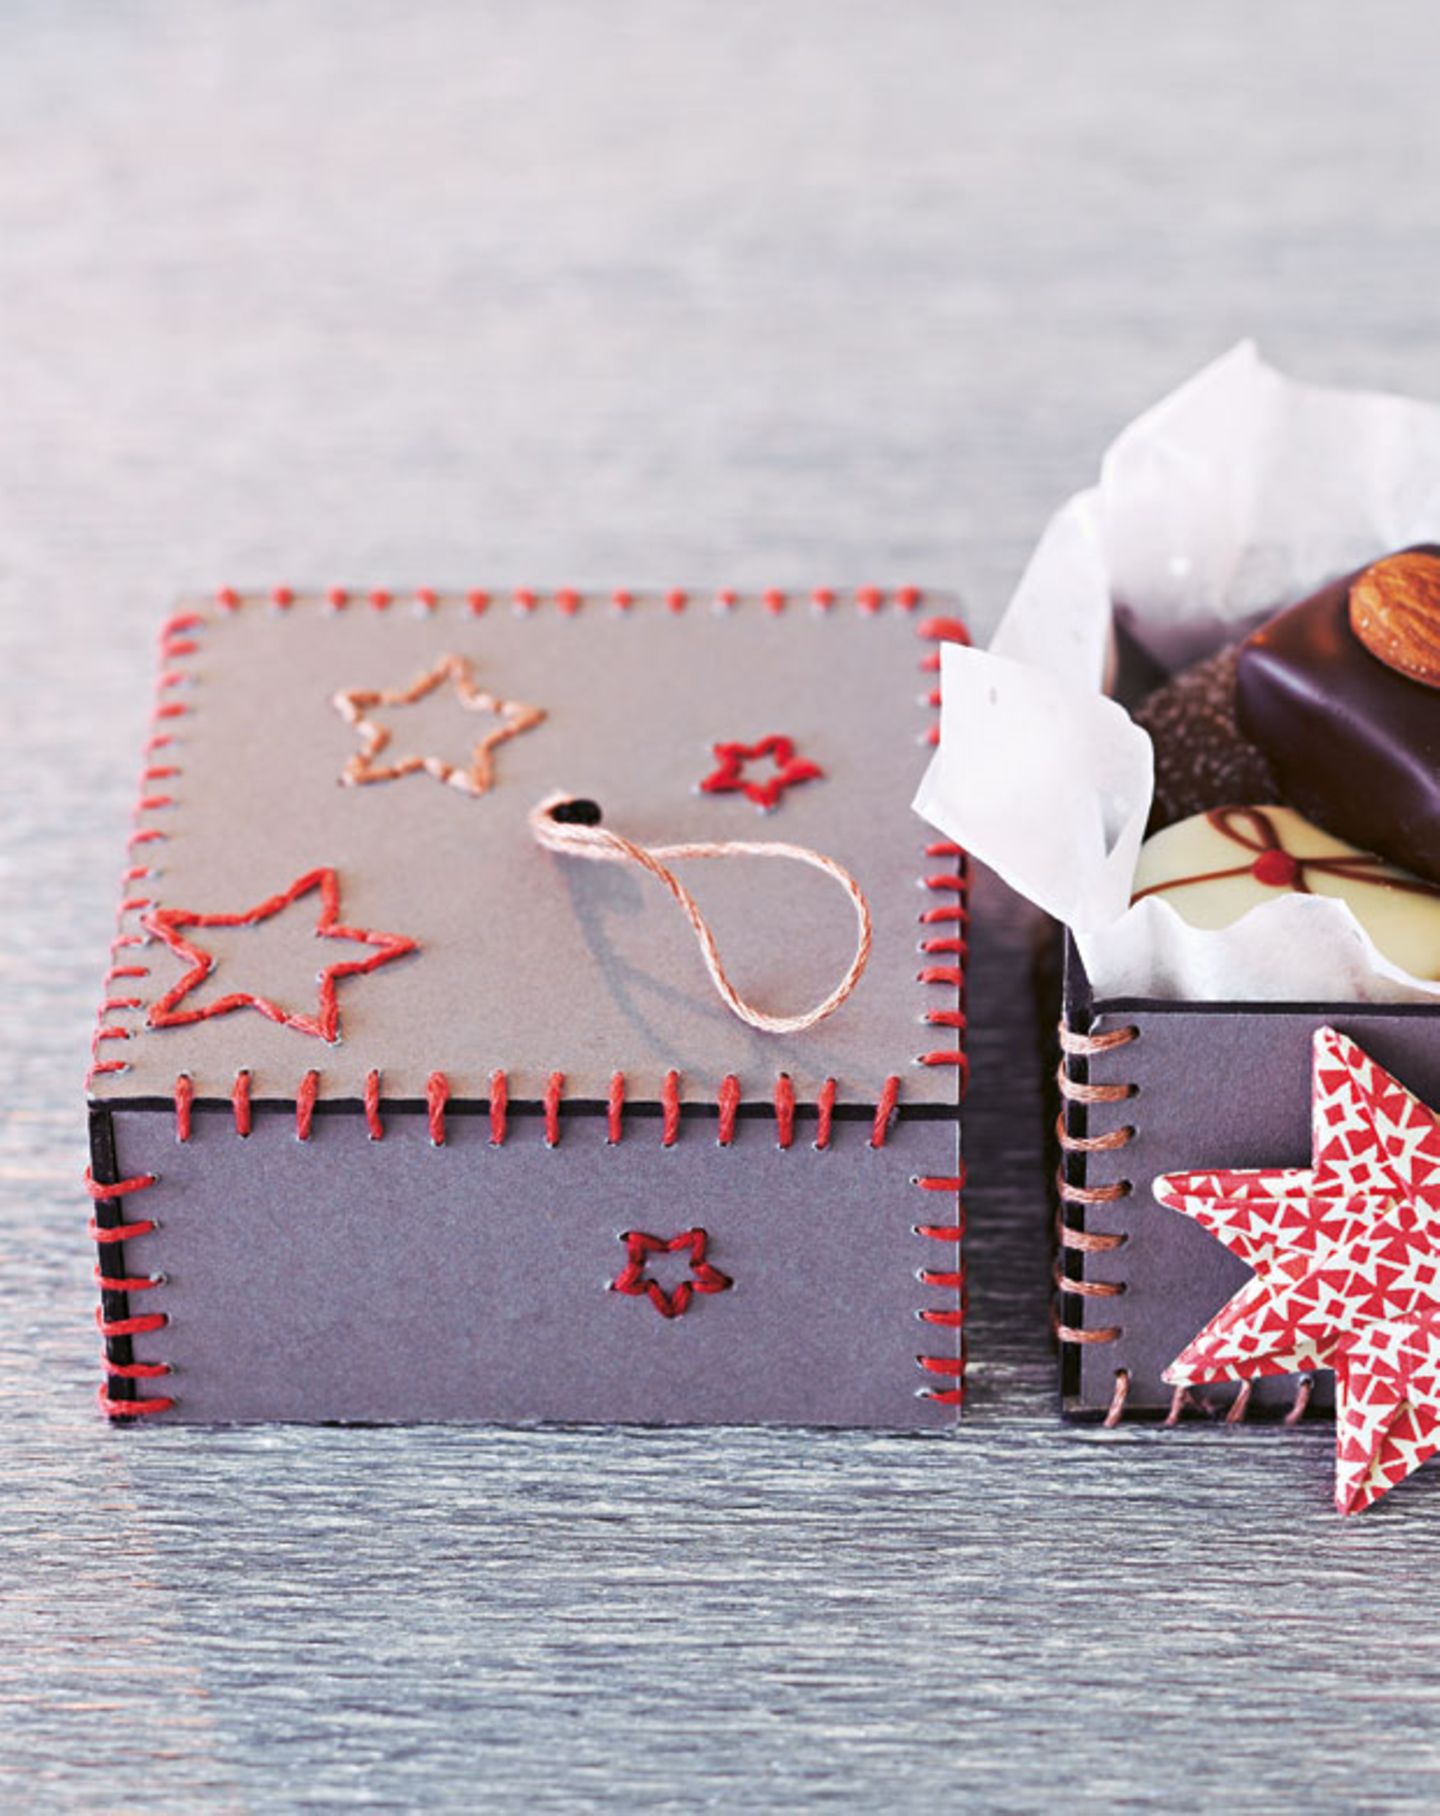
(951, 977)
(884, 1113)
(570, 600)
(174, 646)
(825, 1113)
(129, 1327)
(373, 1123)
(499, 1103)
(670, 1109)
(101, 1193)
(946, 1281)
(184, 1098)
(111, 1236)
(554, 1086)
(240, 1102)
(119, 1232)
(305, 1104)
(615, 1108)
(437, 1095)
(126, 1283)
(784, 1111)
(130, 1409)
(727, 1103)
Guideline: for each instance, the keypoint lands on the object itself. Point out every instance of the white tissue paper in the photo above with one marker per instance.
(1239, 493)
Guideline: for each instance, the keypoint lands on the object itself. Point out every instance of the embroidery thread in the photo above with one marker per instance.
(729, 777)
(632, 1279)
(168, 924)
(355, 706)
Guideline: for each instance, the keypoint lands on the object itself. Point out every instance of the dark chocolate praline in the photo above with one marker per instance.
(1354, 745)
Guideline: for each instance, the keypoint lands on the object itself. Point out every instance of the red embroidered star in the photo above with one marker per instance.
(1346, 1254)
(167, 924)
(356, 704)
(632, 1278)
(729, 775)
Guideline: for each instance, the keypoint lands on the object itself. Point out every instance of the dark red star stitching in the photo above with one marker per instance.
(633, 1279)
(166, 924)
(729, 776)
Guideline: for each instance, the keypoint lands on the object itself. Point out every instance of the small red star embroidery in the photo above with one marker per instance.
(729, 775)
(356, 704)
(1346, 1259)
(632, 1278)
(168, 924)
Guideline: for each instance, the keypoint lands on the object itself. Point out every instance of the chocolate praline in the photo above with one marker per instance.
(1353, 743)
(1202, 760)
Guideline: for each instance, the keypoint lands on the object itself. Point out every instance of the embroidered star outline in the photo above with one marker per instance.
(704, 1276)
(355, 705)
(1346, 1260)
(169, 924)
(729, 777)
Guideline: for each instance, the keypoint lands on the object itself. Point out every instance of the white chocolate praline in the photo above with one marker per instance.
(1215, 867)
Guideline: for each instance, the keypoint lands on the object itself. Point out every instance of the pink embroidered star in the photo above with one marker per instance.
(729, 775)
(167, 924)
(356, 704)
(632, 1278)
(1346, 1254)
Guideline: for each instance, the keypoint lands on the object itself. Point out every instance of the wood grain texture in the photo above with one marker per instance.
(568, 293)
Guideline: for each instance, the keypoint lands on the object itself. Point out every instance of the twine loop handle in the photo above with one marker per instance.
(570, 827)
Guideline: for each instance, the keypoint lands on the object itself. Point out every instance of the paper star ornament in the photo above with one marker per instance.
(1346, 1254)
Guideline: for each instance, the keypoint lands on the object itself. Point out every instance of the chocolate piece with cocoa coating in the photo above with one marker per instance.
(1202, 758)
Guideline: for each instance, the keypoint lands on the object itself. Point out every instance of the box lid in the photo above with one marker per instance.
(329, 893)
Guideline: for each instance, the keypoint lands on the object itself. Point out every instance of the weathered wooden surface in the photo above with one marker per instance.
(577, 293)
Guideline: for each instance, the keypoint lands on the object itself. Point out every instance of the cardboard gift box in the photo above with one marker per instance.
(1148, 1086)
(398, 1112)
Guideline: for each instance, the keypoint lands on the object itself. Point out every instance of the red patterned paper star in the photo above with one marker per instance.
(632, 1278)
(729, 775)
(167, 924)
(1346, 1254)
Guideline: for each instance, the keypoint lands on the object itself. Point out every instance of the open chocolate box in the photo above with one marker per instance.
(1152, 1086)
(1205, 740)
(402, 1110)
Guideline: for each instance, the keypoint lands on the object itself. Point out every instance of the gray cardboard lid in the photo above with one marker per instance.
(524, 961)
